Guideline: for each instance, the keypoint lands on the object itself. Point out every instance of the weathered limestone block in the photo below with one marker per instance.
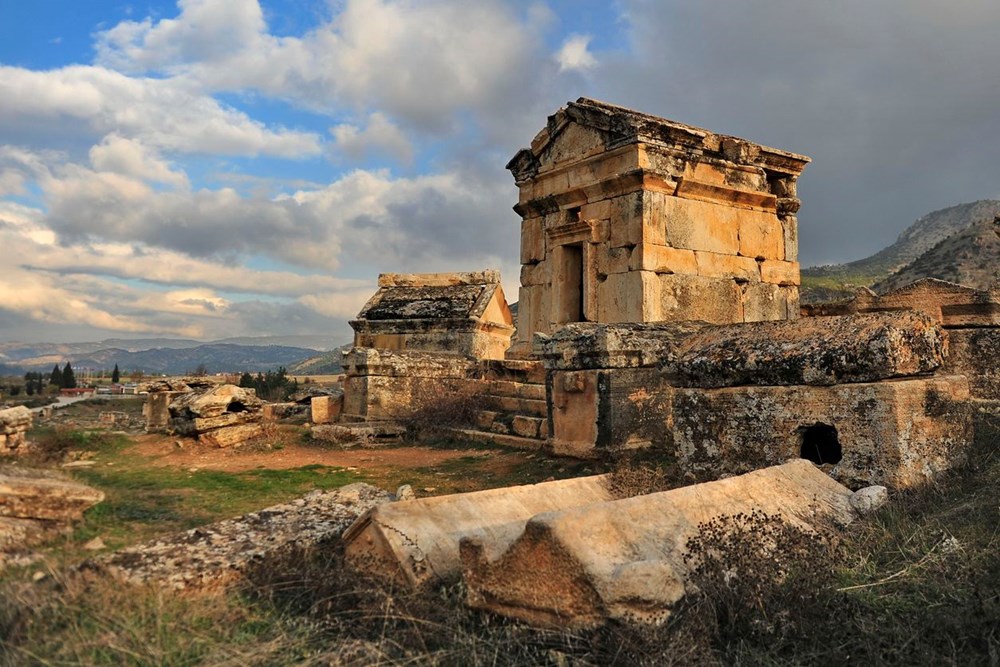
(595, 411)
(763, 302)
(14, 423)
(761, 236)
(698, 225)
(16, 419)
(222, 416)
(450, 279)
(780, 273)
(325, 409)
(383, 385)
(532, 240)
(714, 265)
(790, 232)
(222, 553)
(975, 353)
(811, 351)
(579, 567)
(627, 297)
(683, 298)
(629, 345)
(661, 259)
(156, 410)
(416, 542)
(25, 496)
(898, 434)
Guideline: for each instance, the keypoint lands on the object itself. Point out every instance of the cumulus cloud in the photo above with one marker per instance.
(379, 136)
(574, 54)
(894, 100)
(161, 113)
(417, 61)
(129, 157)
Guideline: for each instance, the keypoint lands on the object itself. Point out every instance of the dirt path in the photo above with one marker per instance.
(163, 451)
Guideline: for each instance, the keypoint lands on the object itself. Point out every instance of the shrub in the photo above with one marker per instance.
(441, 406)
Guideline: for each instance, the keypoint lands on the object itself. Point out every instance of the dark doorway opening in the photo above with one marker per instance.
(236, 406)
(820, 444)
(572, 284)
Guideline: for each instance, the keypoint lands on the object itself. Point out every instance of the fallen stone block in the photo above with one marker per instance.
(810, 351)
(363, 433)
(221, 553)
(26, 496)
(624, 559)
(416, 542)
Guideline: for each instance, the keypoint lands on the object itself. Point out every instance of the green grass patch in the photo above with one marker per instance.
(145, 501)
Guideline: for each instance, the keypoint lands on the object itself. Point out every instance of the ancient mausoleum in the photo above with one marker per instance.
(632, 218)
(659, 308)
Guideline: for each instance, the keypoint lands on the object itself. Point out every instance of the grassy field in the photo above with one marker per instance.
(917, 583)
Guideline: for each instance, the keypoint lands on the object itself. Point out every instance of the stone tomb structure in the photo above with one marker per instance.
(659, 308)
(632, 218)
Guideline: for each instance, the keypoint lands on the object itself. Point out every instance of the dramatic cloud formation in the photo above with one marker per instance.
(232, 167)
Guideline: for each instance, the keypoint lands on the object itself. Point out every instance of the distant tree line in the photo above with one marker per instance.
(270, 386)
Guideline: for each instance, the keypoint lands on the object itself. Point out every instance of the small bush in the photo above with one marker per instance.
(442, 406)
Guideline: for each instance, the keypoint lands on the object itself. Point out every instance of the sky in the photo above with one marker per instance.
(215, 168)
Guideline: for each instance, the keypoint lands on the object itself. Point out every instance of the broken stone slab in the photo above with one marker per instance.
(624, 559)
(15, 420)
(214, 402)
(24, 495)
(416, 542)
(810, 351)
(363, 433)
(221, 553)
(588, 345)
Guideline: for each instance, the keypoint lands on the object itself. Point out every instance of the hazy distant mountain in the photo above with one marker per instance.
(969, 257)
(927, 235)
(215, 357)
(328, 363)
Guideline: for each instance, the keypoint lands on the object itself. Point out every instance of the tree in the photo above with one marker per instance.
(115, 375)
(68, 378)
(29, 384)
(56, 377)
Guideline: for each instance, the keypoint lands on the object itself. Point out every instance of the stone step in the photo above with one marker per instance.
(501, 439)
(511, 424)
(508, 388)
(528, 407)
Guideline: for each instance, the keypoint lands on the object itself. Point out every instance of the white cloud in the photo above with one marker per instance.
(379, 136)
(129, 157)
(574, 54)
(417, 61)
(162, 113)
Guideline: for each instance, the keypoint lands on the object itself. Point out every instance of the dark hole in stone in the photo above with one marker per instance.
(236, 406)
(820, 444)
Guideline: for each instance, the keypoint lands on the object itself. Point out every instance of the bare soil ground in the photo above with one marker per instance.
(163, 451)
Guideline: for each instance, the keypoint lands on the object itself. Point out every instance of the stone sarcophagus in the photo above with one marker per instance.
(632, 218)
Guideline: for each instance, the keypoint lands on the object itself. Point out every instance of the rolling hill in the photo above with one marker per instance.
(941, 244)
